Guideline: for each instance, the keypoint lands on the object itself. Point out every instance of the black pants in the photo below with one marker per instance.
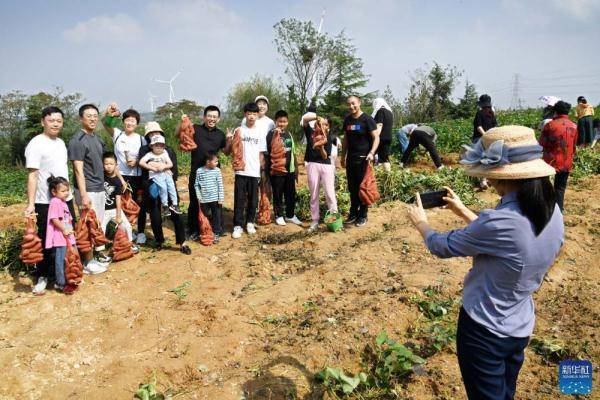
(214, 213)
(355, 172)
(560, 186)
(421, 138)
(383, 151)
(46, 266)
(192, 216)
(284, 186)
(153, 207)
(137, 187)
(585, 130)
(245, 197)
(489, 364)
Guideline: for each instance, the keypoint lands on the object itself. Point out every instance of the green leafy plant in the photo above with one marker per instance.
(551, 350)
(10, 247)
(336, 381)
(179, 291)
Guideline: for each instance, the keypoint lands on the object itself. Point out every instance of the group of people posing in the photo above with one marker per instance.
(147, 167)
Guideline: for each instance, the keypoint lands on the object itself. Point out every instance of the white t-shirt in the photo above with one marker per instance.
(162, 157)
(264, 124)
(254, 143)
(129, 144)
(49, 157)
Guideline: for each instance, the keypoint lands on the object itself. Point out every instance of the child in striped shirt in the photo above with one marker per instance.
(209, 190)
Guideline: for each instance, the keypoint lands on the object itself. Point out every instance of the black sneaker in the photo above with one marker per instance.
(175, 209)
(166, 212)
(350, 220)
(185, 249)
(361, 222)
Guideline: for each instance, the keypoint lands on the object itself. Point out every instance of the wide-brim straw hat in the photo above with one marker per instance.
(513, 136)
(152, 126)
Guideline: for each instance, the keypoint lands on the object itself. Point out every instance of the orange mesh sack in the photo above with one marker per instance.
(73, 265)
(238, 151)
(96, 234)
(31, 246)
(206, 233)
(186, 135)
(368, 192)
(121, 245)
(264, 207)
(130, 208)
(82, 233)
(277, 155)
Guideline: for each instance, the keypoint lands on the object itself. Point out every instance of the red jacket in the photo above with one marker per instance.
(559, 139)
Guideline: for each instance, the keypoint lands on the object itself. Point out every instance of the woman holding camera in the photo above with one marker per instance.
(512, 246)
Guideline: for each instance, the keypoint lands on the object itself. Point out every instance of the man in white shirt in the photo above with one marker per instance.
(246, 181)
(45, 156)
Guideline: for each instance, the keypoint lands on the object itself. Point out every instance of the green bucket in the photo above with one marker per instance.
(334, 225)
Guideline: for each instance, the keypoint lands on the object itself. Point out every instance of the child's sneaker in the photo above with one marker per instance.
(237, 232)
(134, 248)
(70, 289)
(103, 258)
(58, 287)
(280, 221)
(166, 212)
(294, 220)
(217, 239)
(40, 287)
(175, 209)
(250, 228)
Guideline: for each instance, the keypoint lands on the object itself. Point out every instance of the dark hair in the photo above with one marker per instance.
(581, 99)
(55, 181)
(250, 107)
(86, 107)
(281, 114)
(537, 200)
(109, 154)
(312, 107)
(131, 113)
(212, 108)
(562, 108)
(354, 95)
(211, 155)
(51, 110)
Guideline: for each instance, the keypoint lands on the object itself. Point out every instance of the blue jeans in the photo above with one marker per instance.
(59, 264)
(166, 188)
(489, 364)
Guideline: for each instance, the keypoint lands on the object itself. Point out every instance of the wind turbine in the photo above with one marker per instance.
(151, 99)
(314, 77)
(170, 83)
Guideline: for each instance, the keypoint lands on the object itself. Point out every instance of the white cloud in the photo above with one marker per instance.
(118, 28)
(579, 9)
(205, 17)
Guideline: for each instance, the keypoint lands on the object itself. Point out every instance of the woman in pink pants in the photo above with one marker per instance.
(319, 170)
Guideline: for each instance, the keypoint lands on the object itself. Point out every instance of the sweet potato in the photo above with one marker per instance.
(238, 151)
(121, 245)
(130, 208)
(264, 207)
(186, 135)
(207, 235)
(368, 192)
(277, 154)
(73, 265)
(31, 246)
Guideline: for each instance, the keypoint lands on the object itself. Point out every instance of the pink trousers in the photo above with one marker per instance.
(321, 175)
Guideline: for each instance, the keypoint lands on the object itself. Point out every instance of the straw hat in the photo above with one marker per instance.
(152, 126)
(513, 137)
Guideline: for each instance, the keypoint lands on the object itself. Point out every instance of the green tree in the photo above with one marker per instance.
(246, 92)
(429, 95)
(467, 105)
(176, 109)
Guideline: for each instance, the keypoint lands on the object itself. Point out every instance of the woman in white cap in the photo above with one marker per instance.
(512, 247)
(263, 123)
(384, 118)
(153, 205)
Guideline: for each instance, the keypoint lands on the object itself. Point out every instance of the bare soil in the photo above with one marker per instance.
(262, 314)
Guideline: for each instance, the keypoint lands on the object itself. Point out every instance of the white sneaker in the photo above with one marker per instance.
(237, 232)
(294, 220)
(313, 227)
(40, 286)
(441, 167)
(94, 267)
(141, 238)
(250, 228)
(280, 221)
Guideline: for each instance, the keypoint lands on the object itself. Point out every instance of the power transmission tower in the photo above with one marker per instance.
(516, 103)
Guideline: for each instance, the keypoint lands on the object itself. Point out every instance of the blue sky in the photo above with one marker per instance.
(110, 50)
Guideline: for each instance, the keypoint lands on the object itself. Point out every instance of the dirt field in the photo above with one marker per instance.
(260, 318)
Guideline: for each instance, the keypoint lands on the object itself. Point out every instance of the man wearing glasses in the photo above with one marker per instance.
(85, 152)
